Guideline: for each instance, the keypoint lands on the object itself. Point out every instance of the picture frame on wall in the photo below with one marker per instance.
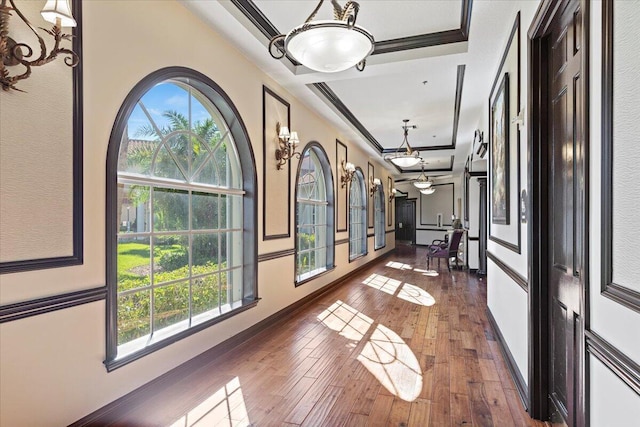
(499, 154)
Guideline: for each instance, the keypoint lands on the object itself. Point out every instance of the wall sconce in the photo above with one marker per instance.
(15, 53)
(348, 170)
(373, 185)
(392, 194)
(287, 142)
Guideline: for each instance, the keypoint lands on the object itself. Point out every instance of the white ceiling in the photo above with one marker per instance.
(391, 87)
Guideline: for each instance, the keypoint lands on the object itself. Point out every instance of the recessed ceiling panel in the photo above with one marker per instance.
(382, 102)
(385, 19)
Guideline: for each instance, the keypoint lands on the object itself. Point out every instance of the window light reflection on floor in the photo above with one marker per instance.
(399, 265)
(406, 291)
(393, 363)
(432, 273)
(225, 407)
(346, 320)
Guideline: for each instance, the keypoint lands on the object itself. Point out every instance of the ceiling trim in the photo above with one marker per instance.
(430, 39)
(447, 169)
(334, 100)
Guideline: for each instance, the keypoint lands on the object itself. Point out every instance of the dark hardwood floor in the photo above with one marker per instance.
(396, 345)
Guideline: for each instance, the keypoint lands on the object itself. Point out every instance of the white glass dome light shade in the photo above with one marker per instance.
(405, 161)
(421, 185)
(430, 190)
(328, 46)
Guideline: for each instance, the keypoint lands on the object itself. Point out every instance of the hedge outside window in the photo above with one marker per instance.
(378, 218)
(314, 215)
(357, 216)
(180, 257)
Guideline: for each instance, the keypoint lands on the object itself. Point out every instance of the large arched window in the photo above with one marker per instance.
(357, 216)
(181, 214)
(378, 218)
(314, 214)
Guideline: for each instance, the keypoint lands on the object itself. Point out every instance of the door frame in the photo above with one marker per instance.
(411, 201)
(538, 265)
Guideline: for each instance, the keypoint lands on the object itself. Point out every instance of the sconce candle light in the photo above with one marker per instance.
(348, 170)
(374, 185)
(14, 53)
(287, 142)
(393, 194)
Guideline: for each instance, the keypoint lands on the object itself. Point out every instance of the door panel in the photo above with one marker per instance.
(565, 210)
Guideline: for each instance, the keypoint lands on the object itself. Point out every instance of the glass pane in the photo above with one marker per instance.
(231, 214)
(209, 173)
(134, 263)
(170, 258)
(180, 146)
(165, 166)
(134, 319)
(170, 304)
(224, 288)
(204, 211)
(224, 250)
(204, 294)
(234, 249)
(136, 155)
(170, 209)
(133, 208)
(205, 253)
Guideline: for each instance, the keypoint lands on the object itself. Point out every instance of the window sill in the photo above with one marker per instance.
(315, 276)
(355, 258)
(381, 247)
(128, 358)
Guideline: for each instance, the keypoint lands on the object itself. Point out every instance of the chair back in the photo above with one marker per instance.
(454, 242)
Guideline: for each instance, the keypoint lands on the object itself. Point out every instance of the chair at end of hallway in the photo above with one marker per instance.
(443, 249)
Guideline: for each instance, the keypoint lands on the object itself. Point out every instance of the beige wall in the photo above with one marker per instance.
(53, 362)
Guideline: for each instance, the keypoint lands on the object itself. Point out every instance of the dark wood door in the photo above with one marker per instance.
(406, 220)
(566, 207)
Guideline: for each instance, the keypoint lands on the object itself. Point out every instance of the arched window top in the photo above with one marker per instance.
(176, 133)
(311, 181)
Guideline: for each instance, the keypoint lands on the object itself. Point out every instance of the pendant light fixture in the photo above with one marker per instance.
(428, 191)
(327, 46)
(422, 181)
(405, 157)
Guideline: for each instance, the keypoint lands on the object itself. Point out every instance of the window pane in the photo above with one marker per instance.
(170, 209)
(205, 253)
(204, 294)
(134, 318)
(170, 258)
(234, 249)
(134, 263)
(133, 201)
(205, 211)
(170, 304)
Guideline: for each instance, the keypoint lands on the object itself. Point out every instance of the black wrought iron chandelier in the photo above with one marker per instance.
(328, 46)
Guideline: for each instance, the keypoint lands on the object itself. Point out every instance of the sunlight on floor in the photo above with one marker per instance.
(346, 320)
(406, 292)
(416, 295)
(432, 273)
(225, 407)
(382, 283)
(399, 265)
(393, 363)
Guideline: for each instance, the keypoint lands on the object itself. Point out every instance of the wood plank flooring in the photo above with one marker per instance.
(395, 346)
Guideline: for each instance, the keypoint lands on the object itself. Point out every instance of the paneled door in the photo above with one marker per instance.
(566, 210)
(406, 220)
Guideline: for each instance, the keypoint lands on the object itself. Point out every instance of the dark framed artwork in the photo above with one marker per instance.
(342, 207)
(276, 184)
(370, 208)
(499, 155)
(390, 209)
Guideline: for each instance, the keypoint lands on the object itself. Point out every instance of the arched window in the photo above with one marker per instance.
(378, 218)
(357, 216)
(314, 214)
(180, 196)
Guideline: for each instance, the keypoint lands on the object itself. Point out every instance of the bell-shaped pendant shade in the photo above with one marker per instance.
(55, 9)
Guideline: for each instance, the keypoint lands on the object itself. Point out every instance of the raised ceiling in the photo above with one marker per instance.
(433, 63)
